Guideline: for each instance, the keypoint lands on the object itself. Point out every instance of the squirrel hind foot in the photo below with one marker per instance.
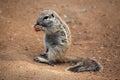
(43, 60)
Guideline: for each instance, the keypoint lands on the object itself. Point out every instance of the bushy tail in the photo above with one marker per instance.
(83, 65)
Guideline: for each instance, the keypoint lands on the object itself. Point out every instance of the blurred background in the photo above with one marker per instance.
(95, 29)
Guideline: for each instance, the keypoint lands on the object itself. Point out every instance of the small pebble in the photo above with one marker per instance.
(68, 20)
(83, 10)
(93, 7)
(102, 47)
(26, 48)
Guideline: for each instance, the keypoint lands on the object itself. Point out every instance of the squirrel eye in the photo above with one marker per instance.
(45, 17)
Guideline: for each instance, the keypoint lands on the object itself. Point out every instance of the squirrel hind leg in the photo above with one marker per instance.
(44, 55)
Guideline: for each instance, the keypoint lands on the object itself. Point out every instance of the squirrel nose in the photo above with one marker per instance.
(38, 23)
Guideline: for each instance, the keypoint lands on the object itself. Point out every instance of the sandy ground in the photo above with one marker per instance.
(95, 28)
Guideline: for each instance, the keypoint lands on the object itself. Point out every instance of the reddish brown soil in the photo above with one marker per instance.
(95, 28)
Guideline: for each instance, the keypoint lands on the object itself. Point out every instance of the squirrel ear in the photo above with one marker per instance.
(52, 15)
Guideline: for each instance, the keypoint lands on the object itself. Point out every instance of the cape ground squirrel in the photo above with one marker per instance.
(57, 41)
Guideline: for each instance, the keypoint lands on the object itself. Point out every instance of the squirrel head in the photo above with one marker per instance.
(45, 20)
